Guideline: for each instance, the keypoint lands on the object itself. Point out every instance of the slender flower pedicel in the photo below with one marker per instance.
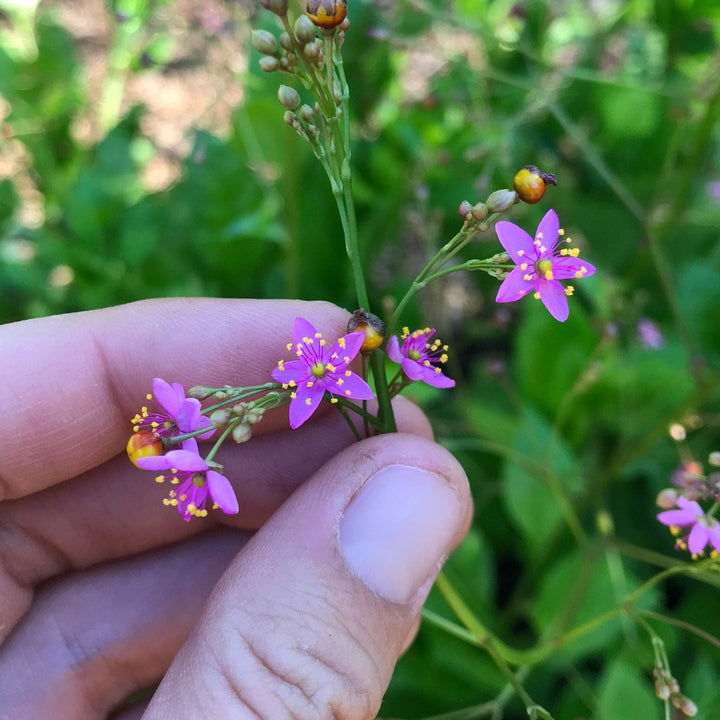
(319, 369)
(541, 264)
(195, 482)
(419, 358)
(694, 528)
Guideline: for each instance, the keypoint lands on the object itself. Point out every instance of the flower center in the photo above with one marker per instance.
(544, 266)
(198, 479)
(318, 369)
(414, 354)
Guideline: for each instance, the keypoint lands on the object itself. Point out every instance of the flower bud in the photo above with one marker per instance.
(312, 52)
(479, 211)
(288, 97)
(714, 459)
(464, 209)
(269, 64)
(279, 7)
(501, 200)
(666, 498)
(220, 418)
(530, 183)
(200, 392)
(307, 113)
(264, 42)
(142, 444)
(241, 433)
(327, 13)
(373, 327)
(286, 42)
(304, 30)
(686, 706)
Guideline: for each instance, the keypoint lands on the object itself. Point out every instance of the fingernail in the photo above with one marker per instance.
(398, 529)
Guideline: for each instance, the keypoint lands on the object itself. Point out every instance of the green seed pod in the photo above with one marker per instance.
(264, 42)
(501, 200)
(241, 433)
(304, 30)
(269, 64)
(479, 211)
(279, 7)
(288, 97)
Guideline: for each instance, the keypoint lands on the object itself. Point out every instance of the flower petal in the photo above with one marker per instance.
(566, 268)
(679, 518)
(186, 460)
(548, 229)
(554, 298)
(353, 386)
(517, 243)
(222, 493)
(190, 445)
(304, 404)
(153, 462)
(514, 287)
(296, 371)
(697, 539)
(202, 423)
(188, 415)
(166, 395)
(393, 349)
(436, 379)
(302, 329)
(412, 369)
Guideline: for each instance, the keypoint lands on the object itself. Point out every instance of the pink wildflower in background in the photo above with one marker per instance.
(419, 358)
(319, 369)
(176, 414)
(541, 264)
(690, 521)
(649, 335)
(195, 481)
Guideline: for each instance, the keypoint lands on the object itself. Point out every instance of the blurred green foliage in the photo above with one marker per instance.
(562, 428)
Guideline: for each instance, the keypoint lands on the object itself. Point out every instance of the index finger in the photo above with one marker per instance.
(72, 382)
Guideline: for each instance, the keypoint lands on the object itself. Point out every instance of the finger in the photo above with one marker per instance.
(94, 638)
(116, 509)
(72, 382)
(309, 620)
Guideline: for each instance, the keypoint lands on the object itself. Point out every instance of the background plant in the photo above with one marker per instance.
(563, 429)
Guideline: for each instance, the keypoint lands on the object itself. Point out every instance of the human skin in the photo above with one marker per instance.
(296, 607)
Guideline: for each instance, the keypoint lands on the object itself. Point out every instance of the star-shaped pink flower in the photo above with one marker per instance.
(419, 358)
(541, 264)
(319, 369)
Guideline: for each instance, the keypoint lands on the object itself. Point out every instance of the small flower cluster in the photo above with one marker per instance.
(693, 528)
(667, 689)
(165, 435)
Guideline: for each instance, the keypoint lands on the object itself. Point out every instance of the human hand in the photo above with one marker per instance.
(102, 589)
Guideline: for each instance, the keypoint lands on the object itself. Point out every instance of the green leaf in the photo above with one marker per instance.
(626, 692)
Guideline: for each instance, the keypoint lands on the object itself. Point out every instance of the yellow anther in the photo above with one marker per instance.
(536, 295)
(341, 342)
(160, 479)
(348, 373)
(333, 400)
(308, 401)
(561, 231)
(523, 266)
(289, 346)
(149, 396)
(293, 395)
(527, 277)
(520, 253)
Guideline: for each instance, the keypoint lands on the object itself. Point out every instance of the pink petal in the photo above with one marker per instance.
(565, 267)
(166, 395)
(353, 343)
(222, 493)
(691, 506)
(697, 539)
(549, 227)
(353, 386)
(185, 460)
(393, 350)
(514, 287)
(296, 371)
(412, 369)
(679, 518)
(205, 422)
(714, 534)
(154, 462)
(188, 415)
(554, 298)
(514, 239)
(436, 379)
(304, 404)
(302, 329)
(190, 445)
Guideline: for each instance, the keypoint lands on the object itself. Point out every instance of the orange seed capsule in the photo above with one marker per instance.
(371, 325)
(530, 183)
(143, 444)
(327, 13)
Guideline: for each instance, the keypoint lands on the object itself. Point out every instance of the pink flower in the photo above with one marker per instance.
(419, 358)
(649, 335)
(195, 480)
(541, 264)
(319, 369)
(176, 415)
(701, 529)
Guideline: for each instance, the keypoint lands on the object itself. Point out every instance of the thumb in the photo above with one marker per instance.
(309, 620)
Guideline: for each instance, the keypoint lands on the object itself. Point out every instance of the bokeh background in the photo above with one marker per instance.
(143, 153)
